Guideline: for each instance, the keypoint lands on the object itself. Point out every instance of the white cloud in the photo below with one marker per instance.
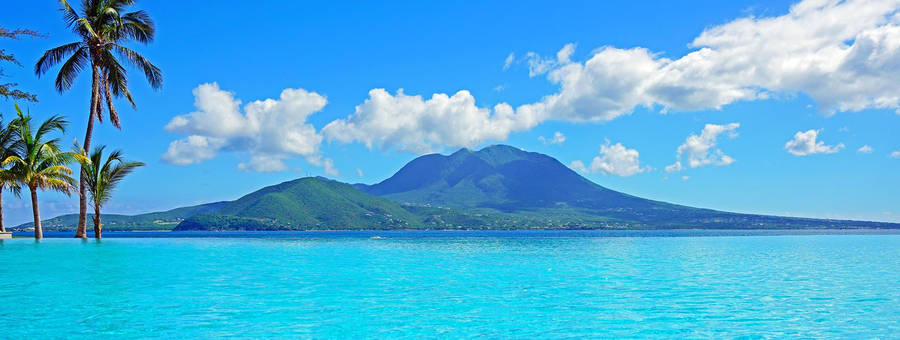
(538, 65)
(558, 138)
(329, 169)
(270, 130)
(685, 177)
(845, 55)
(509, 61)
(420, 125)
(564, 55)
(578, 166)
(865, 149)
(895, 154)
(700, 150)
(805, 143)
(193, 149)
(617, 160)
(263, 163)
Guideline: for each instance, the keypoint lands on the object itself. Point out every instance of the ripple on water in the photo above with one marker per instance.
(552, 287)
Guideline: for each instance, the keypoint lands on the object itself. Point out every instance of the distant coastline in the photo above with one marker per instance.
(499, 187)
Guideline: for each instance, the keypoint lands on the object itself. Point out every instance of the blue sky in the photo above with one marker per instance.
(626, 84)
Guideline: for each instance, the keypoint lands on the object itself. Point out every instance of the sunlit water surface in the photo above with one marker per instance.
(440, 284)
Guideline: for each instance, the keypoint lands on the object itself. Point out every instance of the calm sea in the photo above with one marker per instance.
(646, 284)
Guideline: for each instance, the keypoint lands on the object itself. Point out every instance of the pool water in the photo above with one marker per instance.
(440, 285)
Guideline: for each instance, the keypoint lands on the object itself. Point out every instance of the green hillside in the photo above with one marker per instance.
(163, 220)
(306, 203)
(506, 187)
(498, 187)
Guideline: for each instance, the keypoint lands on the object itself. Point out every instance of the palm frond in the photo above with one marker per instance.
(15, 160)
(103, 174)
(138, 26)
(53, 123)
(151, 72)
(62, 183)
(70, 70)
(69, 14)
(54, 55)
(118, 81)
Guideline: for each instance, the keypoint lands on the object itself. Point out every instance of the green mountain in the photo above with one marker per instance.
(529, 189)
(306, 203)
(163, 220)
(498, 187)
(498, 177)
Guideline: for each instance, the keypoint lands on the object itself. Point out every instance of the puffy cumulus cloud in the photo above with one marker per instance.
(558, 138)
(270, 130)
(865, 149)
(578, 166)
(617, 160)
(700, 150)
(193, 149)
(420, 125)
(608, 85)
(845, 55)
(895, 154)
(805, 143)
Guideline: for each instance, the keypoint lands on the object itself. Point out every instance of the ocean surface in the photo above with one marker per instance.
(434, 284)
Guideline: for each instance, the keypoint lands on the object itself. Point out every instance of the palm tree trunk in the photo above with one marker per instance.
(2, 225)
(81, 232)
(38, 232)
(97, 228)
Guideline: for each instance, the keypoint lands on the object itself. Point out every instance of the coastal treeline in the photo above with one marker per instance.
(31, 154)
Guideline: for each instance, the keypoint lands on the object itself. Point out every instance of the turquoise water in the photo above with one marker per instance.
(493, 285)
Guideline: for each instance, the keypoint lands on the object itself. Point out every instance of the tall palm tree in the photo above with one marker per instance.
(103, 27)
(7, 177)
(39, 163)
(102, 177)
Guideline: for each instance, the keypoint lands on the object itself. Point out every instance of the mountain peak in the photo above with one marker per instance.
(499, 154)
(498, 176)
(461, 151)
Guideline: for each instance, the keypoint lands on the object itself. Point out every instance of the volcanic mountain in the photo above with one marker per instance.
(498, 187)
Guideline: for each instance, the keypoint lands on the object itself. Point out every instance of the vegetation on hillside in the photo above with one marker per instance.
(499, 187)
(306, 203)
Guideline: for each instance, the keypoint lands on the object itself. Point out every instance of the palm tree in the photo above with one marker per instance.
(102, 28)
(39, 163)
(7, 177)
(102, 177)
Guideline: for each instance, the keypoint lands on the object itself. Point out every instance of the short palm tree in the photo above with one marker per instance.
(38, 162)
(102, 27)
(7, 178)
(102, 177)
